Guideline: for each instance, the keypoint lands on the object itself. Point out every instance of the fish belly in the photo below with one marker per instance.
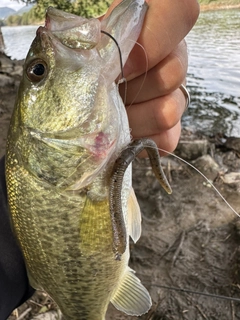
(67, 241)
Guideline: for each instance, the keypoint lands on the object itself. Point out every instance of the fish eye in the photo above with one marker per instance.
(37, 70)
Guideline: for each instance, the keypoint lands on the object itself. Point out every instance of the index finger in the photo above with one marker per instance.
(166, 24)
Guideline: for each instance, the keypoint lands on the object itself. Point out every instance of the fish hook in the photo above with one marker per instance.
(121, 62)
(119, 50)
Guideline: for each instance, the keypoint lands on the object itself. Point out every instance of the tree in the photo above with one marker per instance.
(42, 5)
(14, 20)
(90, 8)
(87, 8)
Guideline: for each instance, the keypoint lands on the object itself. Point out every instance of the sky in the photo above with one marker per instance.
(11, 4)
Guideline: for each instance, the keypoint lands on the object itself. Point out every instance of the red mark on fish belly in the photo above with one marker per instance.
(102, 145)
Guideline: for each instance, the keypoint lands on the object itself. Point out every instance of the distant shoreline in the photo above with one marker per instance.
(208, 7)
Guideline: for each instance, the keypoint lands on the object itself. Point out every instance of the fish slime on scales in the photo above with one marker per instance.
(68, 128)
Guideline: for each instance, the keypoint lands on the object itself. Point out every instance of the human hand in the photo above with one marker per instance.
(155, 104)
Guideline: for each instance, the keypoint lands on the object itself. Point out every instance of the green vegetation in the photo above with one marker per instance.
(207, 1)
(25, 19)
(85, 8)
(219, 2)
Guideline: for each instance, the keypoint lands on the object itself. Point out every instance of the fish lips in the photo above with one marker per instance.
(73, 31)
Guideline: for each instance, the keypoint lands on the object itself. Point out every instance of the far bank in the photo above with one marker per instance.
(218, 4)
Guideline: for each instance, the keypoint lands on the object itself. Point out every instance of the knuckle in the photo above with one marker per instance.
(174, 73)
(168, 115)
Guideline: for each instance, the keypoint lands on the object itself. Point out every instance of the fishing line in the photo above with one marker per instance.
(145, 73)
(198, 171)
(197, 292)
(211, 184)
(121, 64)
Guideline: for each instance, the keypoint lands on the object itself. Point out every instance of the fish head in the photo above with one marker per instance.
(69, 115)
(61, 80)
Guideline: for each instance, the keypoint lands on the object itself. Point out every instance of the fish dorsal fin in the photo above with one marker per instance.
(134, 217)
(131, 296)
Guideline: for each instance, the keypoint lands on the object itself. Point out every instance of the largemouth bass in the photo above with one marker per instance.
(68, 127)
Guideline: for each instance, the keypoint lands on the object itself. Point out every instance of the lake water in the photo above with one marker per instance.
(214, 73)
(214, 69)
(18, 40)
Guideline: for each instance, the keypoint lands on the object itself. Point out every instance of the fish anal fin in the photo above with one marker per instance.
(131, 296)
(134, 217)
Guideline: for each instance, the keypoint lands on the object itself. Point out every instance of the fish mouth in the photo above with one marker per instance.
(99, 145)
(96, 148)
(72, 31)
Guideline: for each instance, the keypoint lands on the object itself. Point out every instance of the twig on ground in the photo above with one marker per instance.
(179, 248)
(15, 313)
(232, 310)
(24, 314)
(201, 312)
(169, 175)
(172, 247)
(36, 303)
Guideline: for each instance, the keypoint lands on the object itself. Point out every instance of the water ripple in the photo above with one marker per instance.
(214, 73)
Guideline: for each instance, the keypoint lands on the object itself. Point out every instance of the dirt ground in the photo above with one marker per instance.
(190, 239)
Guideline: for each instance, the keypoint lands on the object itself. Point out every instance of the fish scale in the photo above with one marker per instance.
(87, 267)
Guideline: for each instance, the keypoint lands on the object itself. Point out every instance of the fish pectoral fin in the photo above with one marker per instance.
(131, 296)
(134, 217)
